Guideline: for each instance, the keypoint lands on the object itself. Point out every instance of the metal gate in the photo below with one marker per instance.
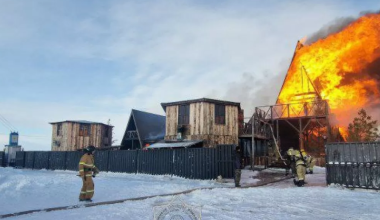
(225, 155)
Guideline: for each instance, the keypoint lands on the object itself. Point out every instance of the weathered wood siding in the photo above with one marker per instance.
(202, 124)
(71, 141)
(196, 118)
(171, 122)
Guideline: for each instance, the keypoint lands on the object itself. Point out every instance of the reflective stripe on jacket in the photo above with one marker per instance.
(86, 165)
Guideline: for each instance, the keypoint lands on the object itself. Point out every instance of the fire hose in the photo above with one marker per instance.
(275, 142)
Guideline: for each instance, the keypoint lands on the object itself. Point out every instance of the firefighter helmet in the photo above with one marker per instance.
(89, 149)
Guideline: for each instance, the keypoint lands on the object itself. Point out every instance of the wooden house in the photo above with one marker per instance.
(143, 129)
(76, 135)
(212, 121)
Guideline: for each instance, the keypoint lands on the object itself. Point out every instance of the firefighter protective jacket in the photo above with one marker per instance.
(297, 156)
(87, 166)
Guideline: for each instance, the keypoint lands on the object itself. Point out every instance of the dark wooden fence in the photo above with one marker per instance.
(20, 159)
(192, 163)
(122, 161)
(353, 165)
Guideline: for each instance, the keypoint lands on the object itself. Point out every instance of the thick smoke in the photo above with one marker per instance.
(331, 28)
(335, 26)
(252, 92)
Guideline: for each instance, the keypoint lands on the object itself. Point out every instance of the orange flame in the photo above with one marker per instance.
(344, 133)
(343, 68)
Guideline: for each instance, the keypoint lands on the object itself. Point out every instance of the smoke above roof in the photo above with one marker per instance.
(335, 26)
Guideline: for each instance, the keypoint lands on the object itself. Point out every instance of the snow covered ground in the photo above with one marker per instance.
(22, 190)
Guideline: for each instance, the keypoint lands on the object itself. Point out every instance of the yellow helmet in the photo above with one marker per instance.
(290, 151)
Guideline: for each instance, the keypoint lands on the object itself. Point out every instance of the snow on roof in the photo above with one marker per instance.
(215, 101)
(80, 121)
(184, 144)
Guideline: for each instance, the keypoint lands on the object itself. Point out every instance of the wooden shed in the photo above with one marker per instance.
(213, 121)
(75, 135)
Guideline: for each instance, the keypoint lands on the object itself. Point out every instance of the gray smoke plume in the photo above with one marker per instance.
(251, 92)
(335, 26)
(331, 28)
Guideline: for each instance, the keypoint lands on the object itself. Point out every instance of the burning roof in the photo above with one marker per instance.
(343, 68)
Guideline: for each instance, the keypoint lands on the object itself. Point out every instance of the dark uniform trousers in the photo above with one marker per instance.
(237, 177)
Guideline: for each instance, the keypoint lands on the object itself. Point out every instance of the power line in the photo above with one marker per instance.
(5, 125)
(5, 121)
(30, 136)
(8, 122)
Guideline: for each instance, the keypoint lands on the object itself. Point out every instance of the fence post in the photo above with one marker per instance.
(137, 161)
(34, 159)
(173, 162)
(108, 160)
(326, 165)
(48, 160)
(64, 160)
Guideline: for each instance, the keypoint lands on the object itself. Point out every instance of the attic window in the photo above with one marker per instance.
(184, 115)
(59, 129)
(220, 114)
(84, 130)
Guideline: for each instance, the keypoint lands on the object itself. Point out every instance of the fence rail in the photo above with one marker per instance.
(197, 163)
(354, 165)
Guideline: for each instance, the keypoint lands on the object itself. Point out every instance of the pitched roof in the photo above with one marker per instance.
(80, 122)
(150, 127)
(215, 101)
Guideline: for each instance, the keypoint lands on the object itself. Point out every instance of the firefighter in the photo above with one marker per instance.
(310, 163)
(87, 170)
(300, 162)
(290, 162)
(238, 165)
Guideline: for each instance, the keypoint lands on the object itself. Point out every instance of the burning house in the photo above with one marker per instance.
(327, 82)
(343, 67)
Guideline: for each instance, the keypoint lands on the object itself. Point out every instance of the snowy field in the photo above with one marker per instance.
(22, 190)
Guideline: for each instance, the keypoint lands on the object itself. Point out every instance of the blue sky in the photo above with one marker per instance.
(96, 60)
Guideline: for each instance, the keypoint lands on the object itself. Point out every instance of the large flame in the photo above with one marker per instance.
(343, 68)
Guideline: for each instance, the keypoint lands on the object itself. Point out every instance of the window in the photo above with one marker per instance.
(84, 130)
(184, 115)
(220, 114)
(59, 129)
